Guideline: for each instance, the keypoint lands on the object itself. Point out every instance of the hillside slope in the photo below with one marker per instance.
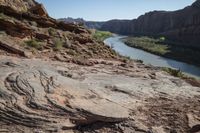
(35, 33)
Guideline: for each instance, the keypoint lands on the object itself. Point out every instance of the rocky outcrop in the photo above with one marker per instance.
(10, 47)
(39, 10)
(107, 97)
(19, 5)
(15, 29)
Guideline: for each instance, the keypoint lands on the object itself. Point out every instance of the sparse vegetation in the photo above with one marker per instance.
(101, 35)
(2, 16)
(58, 44)
(140, 61)
(180, 74)
(174, 72)
(52, 31)
(34, 43)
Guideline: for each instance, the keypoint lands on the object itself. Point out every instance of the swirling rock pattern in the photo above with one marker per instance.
(47, 96)
(39, 97)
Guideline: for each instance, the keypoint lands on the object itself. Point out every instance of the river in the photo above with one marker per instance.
(148, 58)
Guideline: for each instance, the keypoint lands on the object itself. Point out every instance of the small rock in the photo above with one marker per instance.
(193, 123)
(59, 58)
(28, 54)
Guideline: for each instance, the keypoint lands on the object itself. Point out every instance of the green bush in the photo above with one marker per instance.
(52, 31)
(34, 43)
(162, 38)
(3, 16)
(58, 44)
(101, 35)
(173, 72)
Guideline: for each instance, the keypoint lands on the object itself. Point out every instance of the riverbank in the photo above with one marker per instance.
(148, 58)
(101, 35)
(165, 48)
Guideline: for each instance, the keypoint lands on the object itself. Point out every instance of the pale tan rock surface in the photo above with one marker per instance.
(51, 96)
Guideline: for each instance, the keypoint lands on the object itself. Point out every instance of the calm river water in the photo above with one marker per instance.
(149, 58)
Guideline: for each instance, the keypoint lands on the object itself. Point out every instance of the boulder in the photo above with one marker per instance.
(42, 36)
(11, 47)
(39, 10)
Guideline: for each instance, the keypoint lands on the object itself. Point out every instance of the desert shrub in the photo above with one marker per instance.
(52, 31)
(34, 43)
(140, 61)
(173, 72)
(2, 16)
(5, 17)
(58, 44)
(194, 81)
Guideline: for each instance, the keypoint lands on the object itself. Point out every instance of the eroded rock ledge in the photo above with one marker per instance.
(47, 96)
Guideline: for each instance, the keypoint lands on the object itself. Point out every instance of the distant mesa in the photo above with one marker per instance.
(80, 21)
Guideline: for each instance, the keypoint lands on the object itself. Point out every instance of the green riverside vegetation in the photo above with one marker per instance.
(174, 72)
(177, 73)
(166, 48)
(101, 35)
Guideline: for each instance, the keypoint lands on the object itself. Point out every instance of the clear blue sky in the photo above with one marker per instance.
(101, 10)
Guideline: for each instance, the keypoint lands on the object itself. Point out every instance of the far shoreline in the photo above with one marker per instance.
(179, 58)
